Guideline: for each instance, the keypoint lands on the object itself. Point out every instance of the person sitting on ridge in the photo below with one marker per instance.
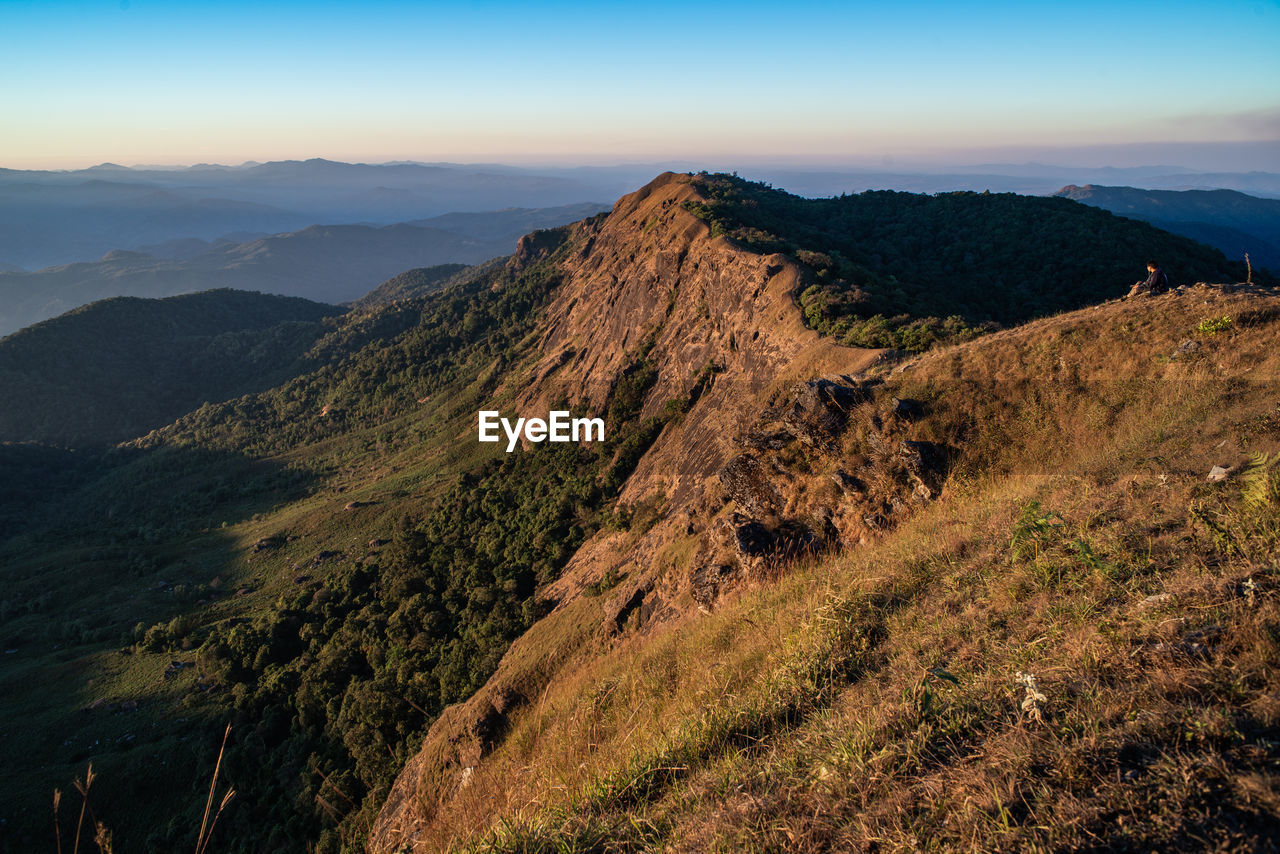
(1157, 282)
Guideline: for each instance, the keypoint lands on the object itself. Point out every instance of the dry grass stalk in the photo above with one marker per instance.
(206, 828)
(103, 839)
(83, 789)
(57, 830)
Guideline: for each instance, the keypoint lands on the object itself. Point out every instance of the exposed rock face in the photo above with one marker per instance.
(651, 270)
(637, 600)
(785, 508)
(924, 464)
(535, 246)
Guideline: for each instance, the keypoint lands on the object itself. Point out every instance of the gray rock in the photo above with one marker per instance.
(925, 464)
(849, 484)
(766, 438)
(709, 582)
(1155, 600)
(752, 539)
(622, 607)
(818, 410)
(746, 482)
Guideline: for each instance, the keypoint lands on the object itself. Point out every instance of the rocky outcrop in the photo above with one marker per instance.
(708, 581)
(817, 411)
(780, 490)
(745, 482)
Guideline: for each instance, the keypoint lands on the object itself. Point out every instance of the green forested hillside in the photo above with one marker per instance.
(904, 270)
(120, 367)
(418, 282)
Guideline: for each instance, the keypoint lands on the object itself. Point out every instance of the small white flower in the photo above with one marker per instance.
(1033, 698)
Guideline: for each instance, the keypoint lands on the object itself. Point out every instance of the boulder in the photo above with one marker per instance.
(754, 542)
(709, 581)
(752, 539)
(925, 464)
(817, 411)
(769, 438)
(745, 481)
(849, 484)
(907, 409)
(630, 601)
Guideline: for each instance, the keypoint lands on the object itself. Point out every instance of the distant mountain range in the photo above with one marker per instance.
(49, 218)
(58, 217)
(330, 264)
(1234, 222)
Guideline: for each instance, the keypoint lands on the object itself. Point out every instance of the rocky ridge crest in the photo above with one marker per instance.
(784, 449)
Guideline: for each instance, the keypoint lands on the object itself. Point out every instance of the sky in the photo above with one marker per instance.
(843, 83)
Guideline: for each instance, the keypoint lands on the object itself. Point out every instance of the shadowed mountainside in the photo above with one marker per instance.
(118, 368)
(1233, 222)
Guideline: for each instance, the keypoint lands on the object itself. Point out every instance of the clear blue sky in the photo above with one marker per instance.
(145, 81)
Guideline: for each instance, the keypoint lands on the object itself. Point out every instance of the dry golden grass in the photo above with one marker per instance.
(1076, 647)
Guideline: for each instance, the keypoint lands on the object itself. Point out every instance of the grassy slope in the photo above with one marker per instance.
(875, 699)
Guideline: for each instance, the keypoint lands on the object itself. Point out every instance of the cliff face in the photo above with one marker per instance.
(720, 331)
(652, 269)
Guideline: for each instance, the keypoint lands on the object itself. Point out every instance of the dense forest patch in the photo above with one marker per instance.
(906, 270)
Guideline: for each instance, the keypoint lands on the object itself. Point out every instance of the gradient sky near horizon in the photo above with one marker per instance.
(144, 81)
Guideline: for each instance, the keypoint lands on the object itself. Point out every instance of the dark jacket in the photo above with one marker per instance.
(1157, 282)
